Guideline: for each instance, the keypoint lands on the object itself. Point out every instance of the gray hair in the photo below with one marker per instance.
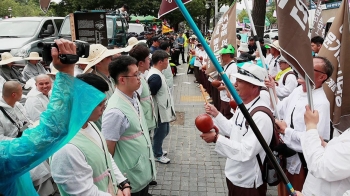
(327, 66)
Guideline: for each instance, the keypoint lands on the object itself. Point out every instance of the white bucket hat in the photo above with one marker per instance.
(33, 56)
(243, 47)
(275, 45)
(251, 73)
(132, 42)
(97, 53)
(7, 58)
(193, 37)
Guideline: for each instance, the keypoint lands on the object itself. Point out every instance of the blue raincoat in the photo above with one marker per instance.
(71, 103)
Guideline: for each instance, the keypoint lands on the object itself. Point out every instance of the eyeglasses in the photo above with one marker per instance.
(247, 73)
(137, 75)
(319, 71)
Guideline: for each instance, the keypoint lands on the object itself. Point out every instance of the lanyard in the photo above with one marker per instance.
(240, 125)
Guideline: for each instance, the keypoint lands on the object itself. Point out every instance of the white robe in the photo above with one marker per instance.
(35, 104)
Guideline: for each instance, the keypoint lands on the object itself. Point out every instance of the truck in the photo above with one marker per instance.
(117, 28)
(20, 36)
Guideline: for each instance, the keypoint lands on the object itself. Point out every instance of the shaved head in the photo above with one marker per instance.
(11, 87)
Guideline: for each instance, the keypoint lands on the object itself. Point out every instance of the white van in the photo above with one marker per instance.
(136, 28)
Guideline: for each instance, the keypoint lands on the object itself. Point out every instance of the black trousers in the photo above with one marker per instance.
(182, 51)
(143, 192)
(175, 56)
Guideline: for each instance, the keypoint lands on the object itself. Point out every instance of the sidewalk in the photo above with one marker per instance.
(195, 168)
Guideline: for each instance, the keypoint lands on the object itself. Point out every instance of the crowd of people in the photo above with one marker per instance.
(128, 104)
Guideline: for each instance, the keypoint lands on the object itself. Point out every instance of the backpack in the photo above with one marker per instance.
(269, 174)
(286, 75)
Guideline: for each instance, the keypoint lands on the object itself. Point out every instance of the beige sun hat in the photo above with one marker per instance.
(7, 58)
(97, 53)
(53, 71)
(83, 61)
(275, 45)
(251, 73)
(243, 47)
(33, 56)
(132, 42)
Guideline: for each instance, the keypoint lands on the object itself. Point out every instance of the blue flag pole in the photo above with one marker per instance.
(236, 97)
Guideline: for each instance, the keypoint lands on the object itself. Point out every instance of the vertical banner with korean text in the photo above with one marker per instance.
(224, 33)
(317, 29)
(293, 29)
(336, 49)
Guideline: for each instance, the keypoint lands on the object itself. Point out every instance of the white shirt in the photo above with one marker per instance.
(329, 168)
(242, 167)
(298, 100)
(274, 67)
(291, 83)
(70, 169)
(35, 104)
(266, 98)
(232, 69)
(77, 70)
(199, 53)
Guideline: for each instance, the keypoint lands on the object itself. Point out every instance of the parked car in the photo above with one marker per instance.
(20, 36)
(269, 34)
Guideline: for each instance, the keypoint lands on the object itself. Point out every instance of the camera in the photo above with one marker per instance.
(83, 49)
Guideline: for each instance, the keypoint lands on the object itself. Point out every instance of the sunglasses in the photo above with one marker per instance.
(247, 73)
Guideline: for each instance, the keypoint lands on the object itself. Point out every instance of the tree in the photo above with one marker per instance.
(258, 14)
(22, 8)
(269, 13)
(242, 15)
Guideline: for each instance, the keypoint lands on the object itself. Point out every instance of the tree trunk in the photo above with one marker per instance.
(258, 14)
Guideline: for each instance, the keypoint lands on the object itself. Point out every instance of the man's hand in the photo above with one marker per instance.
(64, 47)
(127, 192)
(211, 110)
(209, 137)
(323, 143)
(311, 118)
(270, 82)
(281, 126)
(221, 88)
(299, 193)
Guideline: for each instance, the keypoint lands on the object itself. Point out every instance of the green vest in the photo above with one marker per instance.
(164, 104)
(133, 152)
(96, 158)
(147, 105)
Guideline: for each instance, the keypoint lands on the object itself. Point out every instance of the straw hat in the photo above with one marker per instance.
(193, 37)
(243, 47)
(252, 74)
(275, 45)
(33, 56)
(7, 58)
(53, 71)
(83, 61)
(97, 53)
(132, 42)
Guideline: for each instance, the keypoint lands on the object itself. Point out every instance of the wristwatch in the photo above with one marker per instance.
(122, 184)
